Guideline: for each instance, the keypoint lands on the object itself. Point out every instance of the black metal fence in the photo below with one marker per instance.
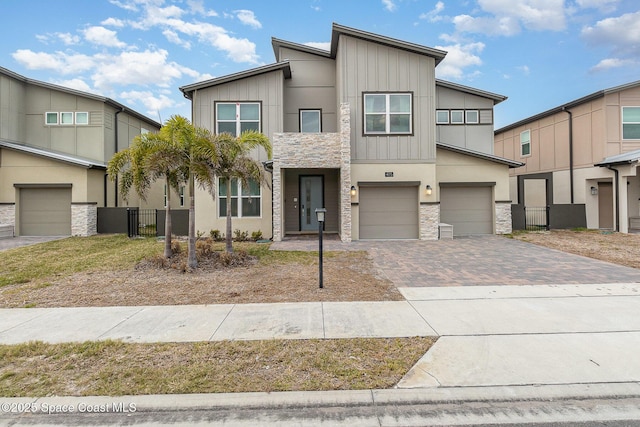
(142, 222)
(536, 218)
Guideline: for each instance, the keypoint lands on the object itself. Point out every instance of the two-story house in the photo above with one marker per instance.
(580, 160)
(364, 130)
(55, 143)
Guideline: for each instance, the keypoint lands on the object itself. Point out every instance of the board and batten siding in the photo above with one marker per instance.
(12, 107)
(370, 67)
(266, 88)
(312, 86)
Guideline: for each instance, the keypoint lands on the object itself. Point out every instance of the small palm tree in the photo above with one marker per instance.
(146, 160)
(235, 163)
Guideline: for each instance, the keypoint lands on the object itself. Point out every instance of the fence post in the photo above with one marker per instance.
(548, 222)
(156, 213)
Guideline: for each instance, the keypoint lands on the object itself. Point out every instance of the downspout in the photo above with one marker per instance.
(616, 173)
(115, 150)
(570, 151)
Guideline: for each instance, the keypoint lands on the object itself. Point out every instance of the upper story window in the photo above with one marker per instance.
(245, 201)
(66, 118)
(471, 117)
(457, 117)
(464, 117)
(237, 117)
(442, 117)
(630, 122)
(387, 113)
(310, 121)
(525, 143)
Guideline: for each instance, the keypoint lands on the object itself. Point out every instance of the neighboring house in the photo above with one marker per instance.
(364, 130)
(55, 143)
(580, 161)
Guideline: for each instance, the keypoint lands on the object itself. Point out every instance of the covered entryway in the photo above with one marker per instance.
(388, 212)
(468, 208)
(45, 211)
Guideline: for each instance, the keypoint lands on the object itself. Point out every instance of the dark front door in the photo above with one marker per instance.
(311, 197)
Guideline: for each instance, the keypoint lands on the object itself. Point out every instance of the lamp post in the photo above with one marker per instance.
(320, 212)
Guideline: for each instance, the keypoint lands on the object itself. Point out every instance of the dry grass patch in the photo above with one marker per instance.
(617, 248)
(115, 368)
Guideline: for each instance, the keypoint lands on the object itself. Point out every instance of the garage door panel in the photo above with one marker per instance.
(388, 213)
(468, 209)
(45, 211)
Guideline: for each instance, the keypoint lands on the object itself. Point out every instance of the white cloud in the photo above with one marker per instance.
(434, 14)
(459, 57)
(154, 103)
(524, 69)
(389, 5)
(610, 63)
(247, 17)
(103, 37)
(77, 84)
(113, 22)
(60, 62)
(320, 45)
(174, 38)
(602, 5)
(68, 38)
(621, 34)
(506, 17)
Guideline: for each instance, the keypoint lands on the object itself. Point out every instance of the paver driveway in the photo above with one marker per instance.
(481, 260)
(489, 260)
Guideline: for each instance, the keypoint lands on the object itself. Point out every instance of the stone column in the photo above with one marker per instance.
(503, 218)
(429, 220)
(84, 219)
(345, 172)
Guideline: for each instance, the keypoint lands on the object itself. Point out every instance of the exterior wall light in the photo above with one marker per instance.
(427, 190)
(594, 191)
(353, 190)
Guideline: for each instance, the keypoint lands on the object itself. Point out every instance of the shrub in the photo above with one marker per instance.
(216, 235)
(256, 235)
(176, 247)
(204, 248)
(240, 236)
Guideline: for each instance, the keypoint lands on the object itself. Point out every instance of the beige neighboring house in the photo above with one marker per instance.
(580, 160)
(55, 143)
(364, 130)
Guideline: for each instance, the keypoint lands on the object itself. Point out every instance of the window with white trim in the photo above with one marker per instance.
(525, 143)
(457, 117)
(237, 117)
(51, 118)
(66, 118)
(310, 121)
(387, 113)
(245, 200)
(471, 117)
(442, 117)
(82, 118)
(630, 122)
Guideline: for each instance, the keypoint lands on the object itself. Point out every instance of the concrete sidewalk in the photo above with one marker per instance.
(489, 336)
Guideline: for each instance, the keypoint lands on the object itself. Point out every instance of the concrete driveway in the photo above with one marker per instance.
(16, 242)
(480, 260)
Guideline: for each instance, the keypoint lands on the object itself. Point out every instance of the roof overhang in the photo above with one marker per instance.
(621, 159)
(278, 66)
(496, 98)
(479, 155)
(75, 161)
(278, 43)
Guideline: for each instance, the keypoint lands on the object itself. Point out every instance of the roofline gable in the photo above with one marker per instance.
(76, 92)
(76, 161)
(338, 30)
(497, 98)
(188, 90)
(277, 43)
(484, 156)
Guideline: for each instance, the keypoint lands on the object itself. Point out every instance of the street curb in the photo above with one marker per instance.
(310, 399)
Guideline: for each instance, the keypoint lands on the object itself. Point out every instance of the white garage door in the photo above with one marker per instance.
(388, 212)
(468, 209)
(45, 211)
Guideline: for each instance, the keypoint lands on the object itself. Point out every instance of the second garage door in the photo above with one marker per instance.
(45, 211)
(468, 209)
(388, 212)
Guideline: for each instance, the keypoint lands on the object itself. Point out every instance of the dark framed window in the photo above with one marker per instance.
(388, 113)
(630, 122)
(311, 121)
(245, 200)
(237, 117)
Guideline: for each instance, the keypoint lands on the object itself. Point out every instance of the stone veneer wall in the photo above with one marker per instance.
(314, 150)
(84, 219)
(429, 220)
(503, 218)
(8, 214)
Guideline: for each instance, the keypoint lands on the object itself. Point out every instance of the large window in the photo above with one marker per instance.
(525, 143)
(310, 121)
(387, 113)
(237, 117)
(630, 122)
(245, 201)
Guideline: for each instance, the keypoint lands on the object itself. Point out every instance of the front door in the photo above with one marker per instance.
(311, 197)
(605, 205)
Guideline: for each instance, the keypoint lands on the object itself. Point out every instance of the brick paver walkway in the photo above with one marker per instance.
(486, 260)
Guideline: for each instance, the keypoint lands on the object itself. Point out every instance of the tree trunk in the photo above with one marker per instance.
(192, 261)
(228, 237)
(167, 224)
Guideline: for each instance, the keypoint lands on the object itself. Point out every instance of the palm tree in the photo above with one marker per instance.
(235, 163)
(146, 160)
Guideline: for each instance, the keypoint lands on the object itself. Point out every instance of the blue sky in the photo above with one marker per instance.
(539, 53)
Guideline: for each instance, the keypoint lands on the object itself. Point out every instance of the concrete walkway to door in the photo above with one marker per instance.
(480, 260)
